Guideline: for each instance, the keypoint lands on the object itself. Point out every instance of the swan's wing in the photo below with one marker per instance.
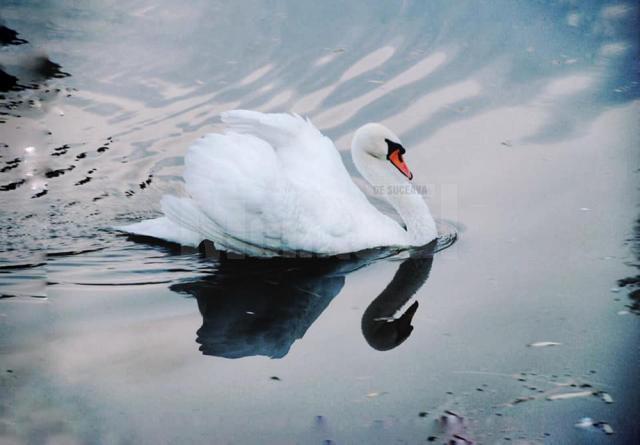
(278, 129)
(241, 196)
(307, 155)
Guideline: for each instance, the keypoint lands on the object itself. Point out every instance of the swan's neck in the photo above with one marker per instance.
(400, 193)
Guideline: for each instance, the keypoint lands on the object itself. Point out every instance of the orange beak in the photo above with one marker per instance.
(396, 159)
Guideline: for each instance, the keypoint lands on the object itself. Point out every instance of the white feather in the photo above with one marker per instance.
(273, 184)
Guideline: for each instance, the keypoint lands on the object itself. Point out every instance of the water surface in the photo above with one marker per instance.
(520, 121)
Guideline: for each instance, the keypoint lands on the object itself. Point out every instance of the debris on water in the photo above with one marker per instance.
(585, 209)
(584, 423)
(507, 143)
(615, 290)
(423, 414)
(453, 426)
(569, 395)
(451, 419)
(522, 400)
(606, 397)
(371, 395)
(605, 427)
(587, 423)
(320, 422)
(275, 377)
(543, 344)
(623, 312)
(460, 440)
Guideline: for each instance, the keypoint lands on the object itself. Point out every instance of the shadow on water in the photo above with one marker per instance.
(31, 70)
(632, 283)
(261, 307)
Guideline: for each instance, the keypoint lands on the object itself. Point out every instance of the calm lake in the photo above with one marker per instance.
(519, 325)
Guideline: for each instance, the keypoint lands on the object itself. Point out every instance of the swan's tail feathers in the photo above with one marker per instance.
(165, 229)
(185, 213)
(278, 129)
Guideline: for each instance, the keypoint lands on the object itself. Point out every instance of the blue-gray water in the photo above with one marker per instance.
(521, 125)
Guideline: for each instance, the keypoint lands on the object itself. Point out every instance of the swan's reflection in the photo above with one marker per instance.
(380, 328)
(260, 307)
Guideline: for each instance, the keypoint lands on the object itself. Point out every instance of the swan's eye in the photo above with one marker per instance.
(393, 146)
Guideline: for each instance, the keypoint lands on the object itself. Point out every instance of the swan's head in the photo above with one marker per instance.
(373, 142)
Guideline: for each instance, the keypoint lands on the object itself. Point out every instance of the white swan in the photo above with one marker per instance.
(274, 185)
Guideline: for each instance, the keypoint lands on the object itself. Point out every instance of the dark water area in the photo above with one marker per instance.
(520, 121)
